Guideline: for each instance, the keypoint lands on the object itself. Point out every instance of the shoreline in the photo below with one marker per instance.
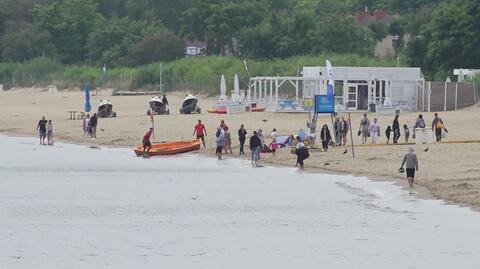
(449, 171)
(420, 191)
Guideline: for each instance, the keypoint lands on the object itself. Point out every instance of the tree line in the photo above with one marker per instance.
(443, 34)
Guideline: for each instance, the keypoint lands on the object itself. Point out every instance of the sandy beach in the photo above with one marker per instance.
(450, 170)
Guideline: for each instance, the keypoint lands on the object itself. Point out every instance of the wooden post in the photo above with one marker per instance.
(456, 96)
(351, 134)
(445, 100)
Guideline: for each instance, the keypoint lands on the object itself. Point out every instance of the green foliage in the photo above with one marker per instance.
(26, 42)
(70, 22)
(162, 46)
(110, 42)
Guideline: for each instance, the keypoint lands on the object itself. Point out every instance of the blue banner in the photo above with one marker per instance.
(88, 106)
(325, 103)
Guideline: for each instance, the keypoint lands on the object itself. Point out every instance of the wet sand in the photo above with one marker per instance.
(451, 171)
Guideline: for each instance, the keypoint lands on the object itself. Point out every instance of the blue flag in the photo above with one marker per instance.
(88, 106)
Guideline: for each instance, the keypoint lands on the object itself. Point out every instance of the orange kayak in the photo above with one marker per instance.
(258, 109)
(170, 148)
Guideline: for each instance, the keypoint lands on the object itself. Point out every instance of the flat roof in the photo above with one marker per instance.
(367, 73)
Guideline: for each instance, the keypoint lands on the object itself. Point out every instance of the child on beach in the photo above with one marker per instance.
(388, 131)
(85, 125)
(50, 132)
(406, 133)
(273, 146)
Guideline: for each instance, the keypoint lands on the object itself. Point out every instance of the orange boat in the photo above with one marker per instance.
(258, 109)
(170, 148)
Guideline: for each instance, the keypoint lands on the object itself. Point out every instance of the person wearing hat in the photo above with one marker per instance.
(410, 160)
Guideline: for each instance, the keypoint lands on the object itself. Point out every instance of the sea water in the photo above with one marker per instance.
(71, 206)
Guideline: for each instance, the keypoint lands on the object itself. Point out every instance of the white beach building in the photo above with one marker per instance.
(356, 88)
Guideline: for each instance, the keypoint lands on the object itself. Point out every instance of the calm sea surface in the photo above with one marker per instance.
(70, 206)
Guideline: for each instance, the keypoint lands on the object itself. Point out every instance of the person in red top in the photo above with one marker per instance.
(201, 132)
(147, 146)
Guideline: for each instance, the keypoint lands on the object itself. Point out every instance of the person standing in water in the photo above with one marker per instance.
(242, 136)
(201, 132)
(147, 145)
(50, 132)
(411, 161)
(255, 146)
(396, 129)
(375, 130)
(42, 130)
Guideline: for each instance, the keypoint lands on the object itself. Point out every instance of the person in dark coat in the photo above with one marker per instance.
(165, 100)
(302, 154)
(242, 136)
(396, 129)
(255, 147)
(325, 136)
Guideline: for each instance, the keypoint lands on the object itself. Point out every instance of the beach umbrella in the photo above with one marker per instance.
(223, 89)
(88, 106)
(236, 90)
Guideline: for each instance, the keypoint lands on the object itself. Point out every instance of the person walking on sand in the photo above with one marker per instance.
(220, 142)
(242, 136)
(438, 126)
(375, 131)
(388, 132)
(93, 126)
(406, 133)
(344, 128)
(326, 137)
(86, 128)
(411, 161)
(364, 129)
(200, 132)
(42, 130)
(255, 146)
(50, 132)
(336, 131)
(274, 146)
(396, 129)
(147, 145)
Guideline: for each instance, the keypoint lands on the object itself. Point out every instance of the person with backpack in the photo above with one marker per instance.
(438, 126)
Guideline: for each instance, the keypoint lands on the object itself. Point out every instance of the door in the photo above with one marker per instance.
(352, 97)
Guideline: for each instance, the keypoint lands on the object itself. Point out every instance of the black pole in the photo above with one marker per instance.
(351, 134)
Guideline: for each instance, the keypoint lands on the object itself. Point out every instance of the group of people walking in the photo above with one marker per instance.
(394, 131)
(45, 131)
(90, 126)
